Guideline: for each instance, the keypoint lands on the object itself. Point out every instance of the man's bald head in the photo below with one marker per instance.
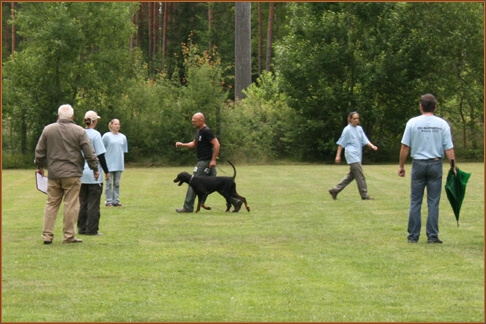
(198, 120)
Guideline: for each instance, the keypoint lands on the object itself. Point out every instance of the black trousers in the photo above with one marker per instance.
(89, 208)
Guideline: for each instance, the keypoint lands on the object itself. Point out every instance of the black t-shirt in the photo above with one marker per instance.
(204, 147)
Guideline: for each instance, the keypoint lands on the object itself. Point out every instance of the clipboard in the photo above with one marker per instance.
(41, 182)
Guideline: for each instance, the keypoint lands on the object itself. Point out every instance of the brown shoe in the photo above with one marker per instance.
(333, 194)
(76, 240)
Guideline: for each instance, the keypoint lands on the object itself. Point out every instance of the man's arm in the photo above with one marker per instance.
(451, 157)
(403, 157)
(216, 147)
(338, 154)
(189, 145)
(372, 146)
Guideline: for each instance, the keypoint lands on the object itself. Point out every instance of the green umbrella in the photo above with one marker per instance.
(456, 189)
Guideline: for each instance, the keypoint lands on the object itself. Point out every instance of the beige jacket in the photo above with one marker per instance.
(60, 146)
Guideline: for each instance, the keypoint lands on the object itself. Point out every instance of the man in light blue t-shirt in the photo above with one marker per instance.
(428, 137)
(352, 140)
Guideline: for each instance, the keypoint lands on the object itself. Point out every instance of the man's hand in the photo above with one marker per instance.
(96, 174)
(401, 172)
(338, 160)
(40, 171)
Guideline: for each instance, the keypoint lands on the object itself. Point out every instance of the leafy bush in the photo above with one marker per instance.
(17, 161)
(254, 130)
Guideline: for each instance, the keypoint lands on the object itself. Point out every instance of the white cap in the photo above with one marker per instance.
(92, 115)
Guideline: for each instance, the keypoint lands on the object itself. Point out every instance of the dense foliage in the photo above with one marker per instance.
(377, 59)
(328, 59)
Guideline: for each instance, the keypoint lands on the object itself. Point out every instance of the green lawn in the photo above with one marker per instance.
(298, 256)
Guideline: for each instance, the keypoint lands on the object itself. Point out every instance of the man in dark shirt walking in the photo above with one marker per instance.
(207, 149)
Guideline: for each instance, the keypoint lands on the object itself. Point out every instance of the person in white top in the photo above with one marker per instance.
(116, 146)
(91, 188)
(352, 140)
(428, 137)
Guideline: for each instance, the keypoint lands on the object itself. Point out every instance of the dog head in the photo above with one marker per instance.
(182, 177)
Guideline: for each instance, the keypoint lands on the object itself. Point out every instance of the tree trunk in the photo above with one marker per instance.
(242, 48)
(260, 39)
(463, 122)
(155, 28)
(135, 22)
(149, 20)
(13, 28)
(210, 25)
(271, 13)
(164, 33)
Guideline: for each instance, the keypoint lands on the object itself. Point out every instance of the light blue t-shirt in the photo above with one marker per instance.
(353, 139)
(95, 137)
(428, 137)
(116, 145)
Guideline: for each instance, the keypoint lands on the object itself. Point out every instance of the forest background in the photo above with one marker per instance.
(154, 64)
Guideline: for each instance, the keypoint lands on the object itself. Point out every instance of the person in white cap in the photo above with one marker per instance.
(91, 188)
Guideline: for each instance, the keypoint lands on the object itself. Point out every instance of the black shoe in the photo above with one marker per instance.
(95, 234)
(368, 198)
(183, 210)
(434, 240)
(47, 242)
(333, 194)
(412, 241)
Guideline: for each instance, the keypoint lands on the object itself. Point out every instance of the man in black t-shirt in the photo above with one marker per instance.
(207, 148)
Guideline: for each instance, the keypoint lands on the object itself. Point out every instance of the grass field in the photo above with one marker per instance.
(298, 256)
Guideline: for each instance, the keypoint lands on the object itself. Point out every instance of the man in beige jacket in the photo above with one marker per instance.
(63, 146)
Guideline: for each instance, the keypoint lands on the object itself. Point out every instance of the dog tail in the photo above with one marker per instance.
(234, 169)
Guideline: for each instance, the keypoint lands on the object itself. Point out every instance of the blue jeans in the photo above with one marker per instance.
(112, 190)
(425, 174)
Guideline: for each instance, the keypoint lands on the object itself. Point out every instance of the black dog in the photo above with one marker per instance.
(203, 186)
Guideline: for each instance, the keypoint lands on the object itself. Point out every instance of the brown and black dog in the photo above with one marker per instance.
(204, 186)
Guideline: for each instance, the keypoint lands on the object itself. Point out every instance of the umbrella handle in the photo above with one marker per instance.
(453, 166)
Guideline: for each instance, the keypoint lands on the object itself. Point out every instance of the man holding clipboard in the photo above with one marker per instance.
(59, 147)
(40, 182)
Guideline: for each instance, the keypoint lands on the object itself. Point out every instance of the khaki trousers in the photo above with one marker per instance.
(57, 189)
(355, 173)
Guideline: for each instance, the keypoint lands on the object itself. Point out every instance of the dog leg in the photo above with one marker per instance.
(201, 200)
(228, 204)
(199, 204)
(243, 199)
